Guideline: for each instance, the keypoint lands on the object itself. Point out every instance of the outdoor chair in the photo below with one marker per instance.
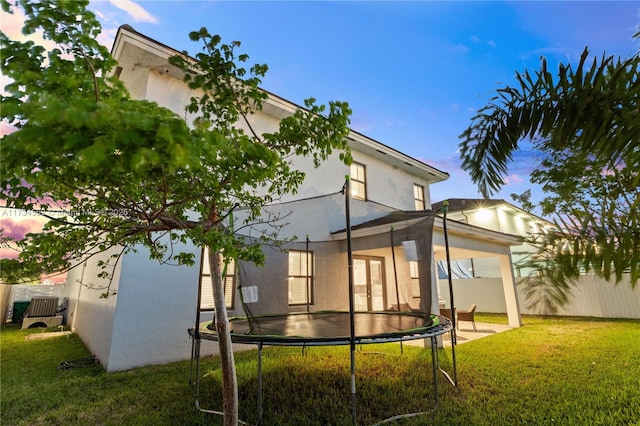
(466, 315)
(42, 310)
(446, 312)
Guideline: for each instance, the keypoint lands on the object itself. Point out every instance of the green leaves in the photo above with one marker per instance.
(588, 110)
(585, 127)
(128, 172)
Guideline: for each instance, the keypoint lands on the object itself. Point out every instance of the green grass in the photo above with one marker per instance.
(564, 371)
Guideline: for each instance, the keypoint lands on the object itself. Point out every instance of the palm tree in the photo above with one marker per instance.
(585, 126)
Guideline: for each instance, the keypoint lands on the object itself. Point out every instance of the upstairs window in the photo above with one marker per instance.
(358, 181)
(418, 197)
(300, 277)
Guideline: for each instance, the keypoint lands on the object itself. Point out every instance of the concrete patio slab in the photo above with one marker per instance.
(466, 334)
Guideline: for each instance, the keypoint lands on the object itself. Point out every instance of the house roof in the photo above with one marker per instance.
(402, 219)
(394, 217)
(280, 108)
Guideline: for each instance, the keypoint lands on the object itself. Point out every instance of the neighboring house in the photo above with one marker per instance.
(146, 321)
(477, 280)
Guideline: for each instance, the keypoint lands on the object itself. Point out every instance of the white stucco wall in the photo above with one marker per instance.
(91, 315)
(156, 306)
(389, 185)
(168, 92)
(386, 184)
(146, 320)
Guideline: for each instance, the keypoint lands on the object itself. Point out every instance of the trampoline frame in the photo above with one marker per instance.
(443, 326)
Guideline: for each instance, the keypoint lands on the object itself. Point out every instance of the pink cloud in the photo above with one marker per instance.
(513, 179)
(16, 228)
(12, 24)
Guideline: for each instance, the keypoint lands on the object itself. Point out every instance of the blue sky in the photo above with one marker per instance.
(414, 73)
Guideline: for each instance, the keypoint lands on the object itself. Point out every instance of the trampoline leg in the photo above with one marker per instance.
(196, 351)
(259, 383)
(195, 356)
(453, 381)
(434, 366)
(453, 357)
(193, 346)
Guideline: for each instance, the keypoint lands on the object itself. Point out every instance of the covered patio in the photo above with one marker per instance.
(464, 242)
(471, 242)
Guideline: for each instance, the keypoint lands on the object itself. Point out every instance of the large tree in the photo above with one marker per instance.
(133, 174)
(584, 125)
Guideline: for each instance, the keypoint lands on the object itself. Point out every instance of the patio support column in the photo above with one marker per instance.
(510, 293)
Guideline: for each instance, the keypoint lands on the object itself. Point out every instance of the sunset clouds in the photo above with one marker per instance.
(17, 228)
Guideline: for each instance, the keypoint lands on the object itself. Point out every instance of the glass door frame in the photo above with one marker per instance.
(369, 285)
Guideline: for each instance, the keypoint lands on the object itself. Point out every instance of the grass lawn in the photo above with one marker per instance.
(564, 371)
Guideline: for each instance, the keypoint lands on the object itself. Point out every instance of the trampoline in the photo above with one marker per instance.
(410, 230)
(328, 328)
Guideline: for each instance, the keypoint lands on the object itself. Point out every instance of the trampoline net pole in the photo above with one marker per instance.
(395, 270)
(347, 195)
(434, 366)
(445, 208)
(453, 357)
(259, 383)
(308, 288)
(395, 279)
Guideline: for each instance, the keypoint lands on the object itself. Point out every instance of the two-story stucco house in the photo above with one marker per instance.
(146, 321)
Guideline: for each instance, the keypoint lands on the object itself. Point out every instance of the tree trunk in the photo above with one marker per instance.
(228, 367)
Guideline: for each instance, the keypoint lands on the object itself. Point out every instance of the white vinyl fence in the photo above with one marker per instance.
(592, 297)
